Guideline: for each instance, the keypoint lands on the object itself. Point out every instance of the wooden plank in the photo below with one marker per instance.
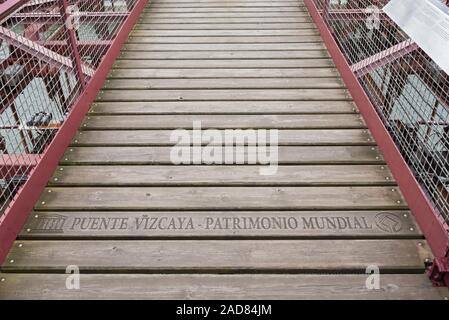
(224, 39)
(221, 33)
(223, 73)
(224, 26)
(221, 2)
(222, 83)
(218, 255)
(227, 9)
(216, 107)
(227, 4)
(230, 63)
(213, 20)
(233, 6)
(222, 55)
(161, 155)
(306, 121)
(227, 14)
(219, 175)
(221, 46)
(216, 1)
(229, 287)
(223, 94)
(92, 225)
(162, 137)
(220, 198)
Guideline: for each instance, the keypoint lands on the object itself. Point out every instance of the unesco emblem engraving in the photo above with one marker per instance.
(388, 222)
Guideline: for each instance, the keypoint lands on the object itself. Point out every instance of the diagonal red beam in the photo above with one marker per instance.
(39, 51)
(384, 57)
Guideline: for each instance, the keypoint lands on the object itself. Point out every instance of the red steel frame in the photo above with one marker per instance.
(12, 221)
(430, 222)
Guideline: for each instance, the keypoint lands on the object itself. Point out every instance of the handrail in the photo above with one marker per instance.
(403, 97)
(52, 65)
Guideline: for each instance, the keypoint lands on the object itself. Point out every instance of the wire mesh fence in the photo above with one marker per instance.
(408, 89)
(49, 49)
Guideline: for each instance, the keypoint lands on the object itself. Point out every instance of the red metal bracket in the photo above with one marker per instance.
(72, 41)
(438, 271)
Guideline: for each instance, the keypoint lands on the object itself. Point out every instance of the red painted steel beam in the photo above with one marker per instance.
(13, 164)
(432, 225)
(12, 221)
(62, 44)
(384, 57)
(74, 51)
(40, 52)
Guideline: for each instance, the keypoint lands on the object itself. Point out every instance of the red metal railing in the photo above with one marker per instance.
(403, 96)
(54, 57)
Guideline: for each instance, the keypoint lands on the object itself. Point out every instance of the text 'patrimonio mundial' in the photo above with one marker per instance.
(228, 146)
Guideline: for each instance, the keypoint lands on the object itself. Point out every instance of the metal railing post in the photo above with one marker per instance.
(74, 52)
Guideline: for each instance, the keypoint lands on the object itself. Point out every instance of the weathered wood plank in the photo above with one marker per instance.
(216, 107)
(162, 137)
(224, 39)
(221, 2)
(222, 55)
(154, 10)
(229, 287)
(305, 121)
(161, 155)
(230, 14)
(213, 20)
(222, 83)
(227, 4)
(373, 224)
(223, 94)
(225, 26)
(220, 198)
(219, 255)
(221, 46)
(221, 33)
(242, 175)
(216, 1)
(230, 63)
(139, 73)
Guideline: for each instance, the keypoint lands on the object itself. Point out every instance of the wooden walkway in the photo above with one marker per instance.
(140, 227)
